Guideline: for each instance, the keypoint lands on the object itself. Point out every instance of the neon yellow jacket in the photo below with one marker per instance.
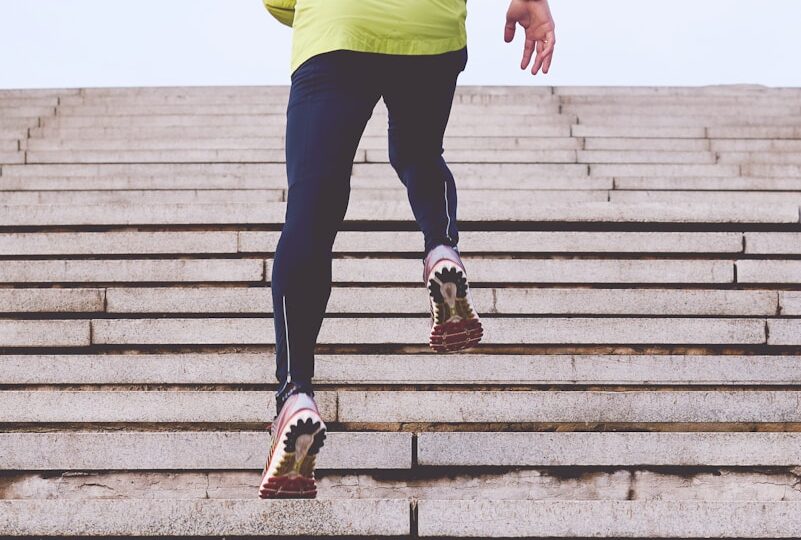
(382, 26)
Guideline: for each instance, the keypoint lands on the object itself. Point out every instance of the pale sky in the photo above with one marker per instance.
(88, 43)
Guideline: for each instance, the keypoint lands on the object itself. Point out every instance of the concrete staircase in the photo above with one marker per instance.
(635, 254)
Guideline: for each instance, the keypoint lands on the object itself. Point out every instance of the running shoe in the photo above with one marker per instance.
(296, 435)
(455, 323)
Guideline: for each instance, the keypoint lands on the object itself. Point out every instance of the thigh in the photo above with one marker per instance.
(331, 98)
(418, 91)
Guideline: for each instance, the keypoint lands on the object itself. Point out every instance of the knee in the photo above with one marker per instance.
(405, 154)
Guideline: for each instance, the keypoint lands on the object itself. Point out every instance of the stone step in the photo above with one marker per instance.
(374, 156)
(390, 270)
(9, 145)
(734, 484)
(26, 100)
(769, 270)
(206, 196)
(638, 131)
(218, 196)
(192, 450)
(268, 90)
(12, 156)
(200, 242)
(393, 450)
(771, 169)
(279, 97)
(471, 449)
(386, 181)
(651, 108)
(378, 211)
(41, 271)
(278, 121)
(653, 92)
(607, 519)
(371, 142)
(774, 96)
(378, 330)
(399, 330)
(773, 243)
(754, 132)
(52, 300)
(379, 300)
(124, 406)
(245, 170)
(452, 141)
(779, 158)
(755, 145)
(738, 119)
(13, 133)
(26, 111)
(177, 156)
(629, 143)
(507, 484)
(37, 93)
(259, 109)
(41, 333)
(373, 129)
(744, 183)
(667, 169)
(569, 406)
(637, 156)
(273, 175)
(449, 406)
(209, 517)
(19, 123)
(705, 196)
(355, 369)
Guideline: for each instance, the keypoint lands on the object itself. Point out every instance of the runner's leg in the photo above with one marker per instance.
(332, 96)
(418, 91)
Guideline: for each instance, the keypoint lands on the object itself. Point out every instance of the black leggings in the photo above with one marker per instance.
(331, 98)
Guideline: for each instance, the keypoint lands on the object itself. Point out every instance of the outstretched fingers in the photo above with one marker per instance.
(544, 53)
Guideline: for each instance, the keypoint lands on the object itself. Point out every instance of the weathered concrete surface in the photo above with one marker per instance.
(44, 333)
(192, 450)
(362, 330)
(543, 270)
(502, 484)
(189, 242)
(651, 519)
(464, 368)
(382, 300)
(370, 211)
(567, 449)
(44, 271)
(147, 406)
(569, 406)
(768, 271)
(52, 300)
(118, 242)
(205, 517)
(784, 331)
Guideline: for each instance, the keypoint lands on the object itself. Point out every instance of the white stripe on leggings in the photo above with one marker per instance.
(286, 328)
(448, 225)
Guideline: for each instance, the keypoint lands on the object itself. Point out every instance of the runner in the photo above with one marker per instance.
(346, 55)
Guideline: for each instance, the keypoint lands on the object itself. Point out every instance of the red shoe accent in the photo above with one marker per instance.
(455, 323)
(297, 434)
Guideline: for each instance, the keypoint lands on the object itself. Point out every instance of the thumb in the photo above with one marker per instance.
(509, 28)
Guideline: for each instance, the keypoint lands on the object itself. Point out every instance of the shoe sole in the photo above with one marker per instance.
(456, 325)
(296, 453)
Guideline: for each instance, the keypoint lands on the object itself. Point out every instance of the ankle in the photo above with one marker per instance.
(440, 250)
(288, 389)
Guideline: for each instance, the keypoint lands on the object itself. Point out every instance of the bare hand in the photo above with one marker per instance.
(535, 17)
